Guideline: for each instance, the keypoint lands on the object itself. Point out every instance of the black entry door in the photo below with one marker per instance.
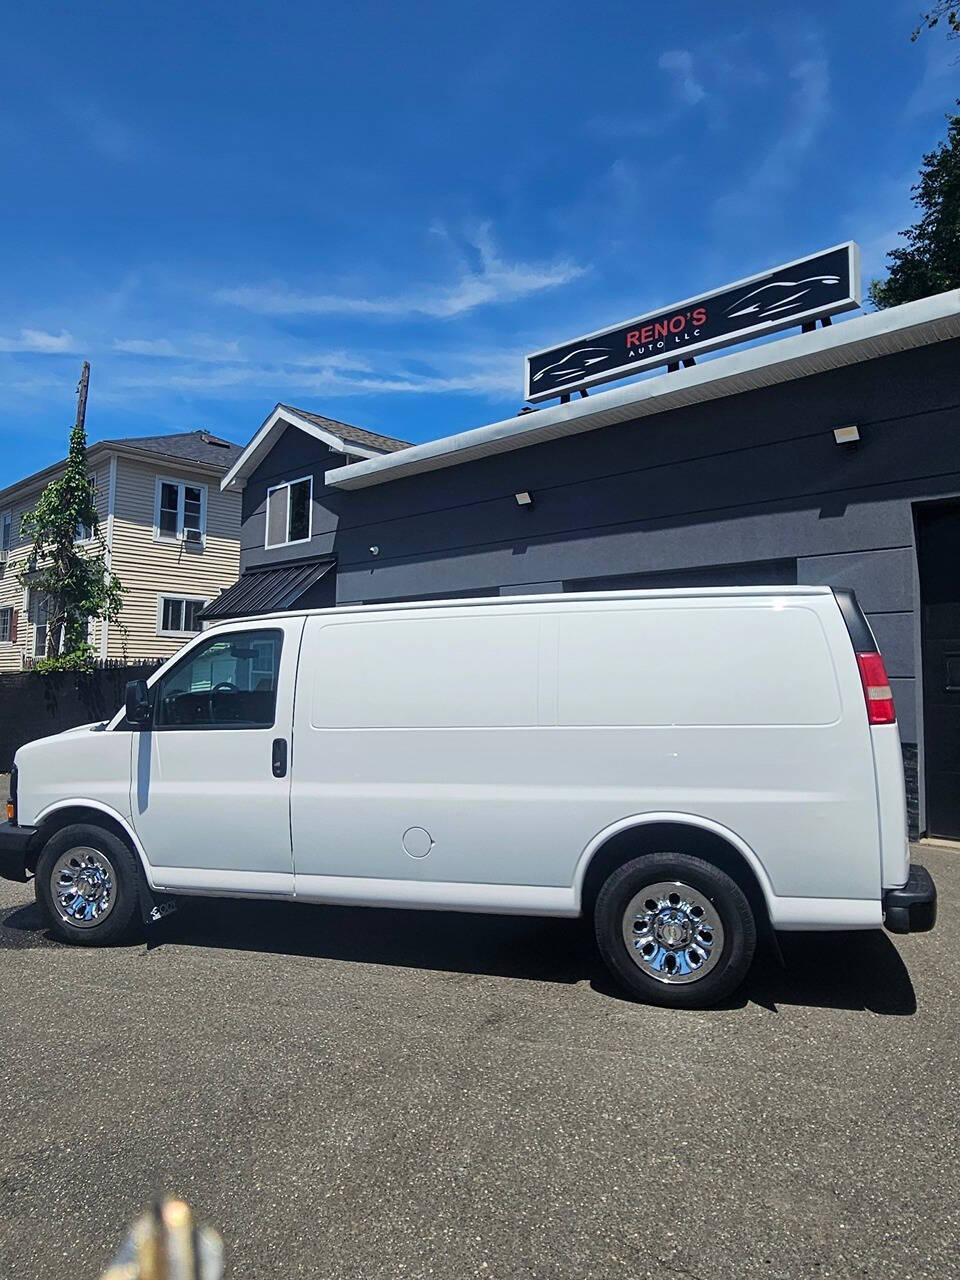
(938, 543)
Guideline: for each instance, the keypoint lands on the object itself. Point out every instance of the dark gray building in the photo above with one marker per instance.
(728, 472)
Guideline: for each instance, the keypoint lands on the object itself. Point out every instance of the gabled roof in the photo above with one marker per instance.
(915, 324)
(188, 446)
(339, 436)
(198, 447)
(356, 435)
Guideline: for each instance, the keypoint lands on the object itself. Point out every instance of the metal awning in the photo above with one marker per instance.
(268, 590)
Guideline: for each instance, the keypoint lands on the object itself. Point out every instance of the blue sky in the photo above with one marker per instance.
(374, 210)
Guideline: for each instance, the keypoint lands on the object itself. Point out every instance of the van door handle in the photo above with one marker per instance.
(279, 757)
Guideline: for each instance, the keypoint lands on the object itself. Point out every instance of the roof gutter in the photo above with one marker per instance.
(915, 324)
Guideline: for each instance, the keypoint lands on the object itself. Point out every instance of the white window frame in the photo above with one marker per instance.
(8, 609)
(288, 541)
(4, 517)
(38, 605)
(187, 599)
(178, 538)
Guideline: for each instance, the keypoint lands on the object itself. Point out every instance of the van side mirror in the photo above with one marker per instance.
(139, 708)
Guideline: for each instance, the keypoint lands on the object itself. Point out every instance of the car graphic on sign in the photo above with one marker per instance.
(777, 296)
(574, 364)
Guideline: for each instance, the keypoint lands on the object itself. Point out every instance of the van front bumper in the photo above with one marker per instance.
(15, 843)
(912, 908)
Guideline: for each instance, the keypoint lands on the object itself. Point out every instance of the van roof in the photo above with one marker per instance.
(566, 597)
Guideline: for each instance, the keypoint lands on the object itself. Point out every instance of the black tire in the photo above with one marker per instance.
(123, 878)
(679, 987)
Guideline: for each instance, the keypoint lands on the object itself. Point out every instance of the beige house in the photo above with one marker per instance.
(170, 534)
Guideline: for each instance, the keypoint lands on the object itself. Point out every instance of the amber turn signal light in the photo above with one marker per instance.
(11, 811)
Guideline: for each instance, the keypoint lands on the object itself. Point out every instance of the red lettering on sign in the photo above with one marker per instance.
(633, 338)
(660, 329)
(646, 334)
(700, 315)
(677, 323)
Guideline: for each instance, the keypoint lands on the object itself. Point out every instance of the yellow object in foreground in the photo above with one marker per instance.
(165, 1244)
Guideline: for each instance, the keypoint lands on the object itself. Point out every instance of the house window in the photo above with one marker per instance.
(6, 626)
(39, 611)
(6, 531)
(181, 511)
(290, 512)
(177, 615)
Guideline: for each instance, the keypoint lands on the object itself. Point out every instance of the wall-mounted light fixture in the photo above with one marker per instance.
(524, 499)
(846, 435)
(374, 551)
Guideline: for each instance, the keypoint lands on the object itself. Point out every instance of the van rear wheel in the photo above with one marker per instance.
(88, 885)
(675, 930)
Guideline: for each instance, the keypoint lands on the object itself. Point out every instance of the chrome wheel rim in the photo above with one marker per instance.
(672, 932)
(83, 886)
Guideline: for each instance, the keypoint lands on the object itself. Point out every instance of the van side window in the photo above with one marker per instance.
(228, 681)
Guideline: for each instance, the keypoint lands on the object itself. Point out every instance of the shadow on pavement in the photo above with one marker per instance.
(858, 970)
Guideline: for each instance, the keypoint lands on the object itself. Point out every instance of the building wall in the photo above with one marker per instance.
(293, 456)
(148, 567)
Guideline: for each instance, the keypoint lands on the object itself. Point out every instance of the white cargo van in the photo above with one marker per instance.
(684, 766)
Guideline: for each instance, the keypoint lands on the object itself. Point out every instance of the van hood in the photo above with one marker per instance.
(96, 726)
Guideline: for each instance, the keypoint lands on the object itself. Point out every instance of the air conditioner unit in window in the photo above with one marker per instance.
(192, 535)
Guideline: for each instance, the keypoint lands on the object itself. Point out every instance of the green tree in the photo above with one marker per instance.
(930, 262)
(74, 581)
(946, 11)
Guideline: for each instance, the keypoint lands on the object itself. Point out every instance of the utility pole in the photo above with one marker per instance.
(82, 387)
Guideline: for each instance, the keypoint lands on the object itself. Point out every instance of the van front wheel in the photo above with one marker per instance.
(675, 930)
(87, 883)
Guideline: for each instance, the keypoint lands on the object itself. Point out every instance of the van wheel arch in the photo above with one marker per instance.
(672, 837)
(75, 814)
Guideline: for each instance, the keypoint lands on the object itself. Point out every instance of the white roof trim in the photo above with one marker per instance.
(915, 324)
(266, 437)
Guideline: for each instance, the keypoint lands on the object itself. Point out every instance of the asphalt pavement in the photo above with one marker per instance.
(364, 1093)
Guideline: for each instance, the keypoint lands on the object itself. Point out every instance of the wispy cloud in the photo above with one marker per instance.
(933, 89)
(102, 132)
(495, 280)
(781, 166)
(679, 64)
(877, 219)
(39, 342)
(495, 375)
(198, 347)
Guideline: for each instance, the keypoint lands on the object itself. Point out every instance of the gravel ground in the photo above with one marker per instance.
(401, 1094)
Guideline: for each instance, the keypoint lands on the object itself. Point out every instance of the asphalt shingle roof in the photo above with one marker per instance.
(344, 431)
(188, 446)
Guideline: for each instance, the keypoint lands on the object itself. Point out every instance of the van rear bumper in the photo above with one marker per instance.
(912, 908)
(14, 844)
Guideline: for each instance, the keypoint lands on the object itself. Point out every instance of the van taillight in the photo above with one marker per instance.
(876, 689)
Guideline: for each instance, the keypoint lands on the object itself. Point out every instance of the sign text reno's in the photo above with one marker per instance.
(820, 285)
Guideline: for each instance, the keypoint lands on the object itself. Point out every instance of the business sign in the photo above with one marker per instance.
(820, 285)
